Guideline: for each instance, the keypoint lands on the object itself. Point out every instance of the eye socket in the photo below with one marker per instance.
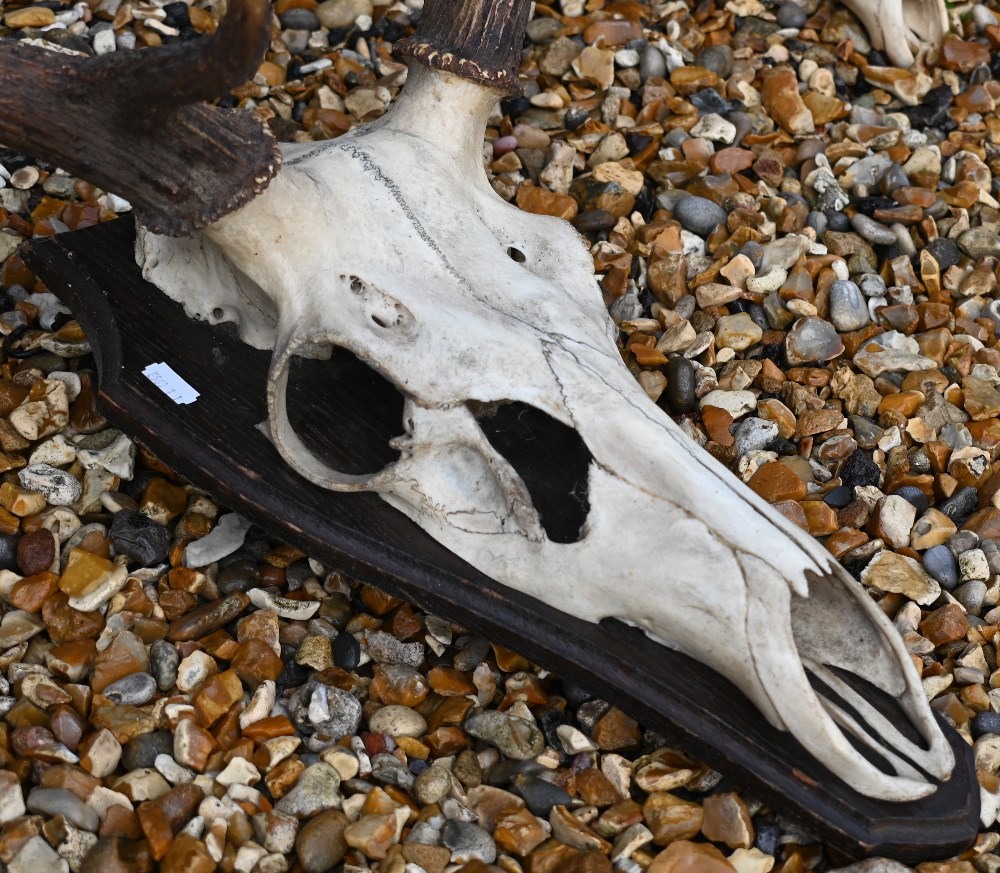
(551, 459)
(517, 255)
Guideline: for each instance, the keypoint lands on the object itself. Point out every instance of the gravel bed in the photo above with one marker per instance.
(800, 246)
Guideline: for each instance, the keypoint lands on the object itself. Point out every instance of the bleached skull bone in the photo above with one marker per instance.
(389, 242)
(900, 28)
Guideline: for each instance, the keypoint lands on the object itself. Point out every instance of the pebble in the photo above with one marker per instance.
(432, 785)
(320, 843)
(516, 738)
(36, 856)
(224, 539)
(58, 487)
(848, 310)
(699, 215)
(164, 660)
(812, 339)
(139, 538)
(872, 231)
(59, 801)
(300, 610)
(398, 721)
(134, 690)
(791, 15)
(540, 795)
(317, 788)
(468, 842)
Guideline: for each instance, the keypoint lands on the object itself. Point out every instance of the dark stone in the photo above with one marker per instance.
(985, 723)
(839, 497)
(792, 15)
(913, 495)
(36, 551)
(471, 652)
(575, 118)
(837, 221)
(941, 563)
(299, 19)
(540, 796)
(594, 220)
(679, 396)
(241, 575)
(768, 837)
(163, 661)
(859, 469)
(548, 721)
(717, 58)
(139, 538)
(709, 100)
(961, 504)
(346, 651)
(944, 251)
(142, 751)
(8, 552)
(293, 674)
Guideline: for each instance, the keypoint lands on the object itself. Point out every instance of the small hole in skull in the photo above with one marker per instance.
(345, 412)
(381, 322)
(356, 284)
(516, 255)
(550, 457)
(217, 312)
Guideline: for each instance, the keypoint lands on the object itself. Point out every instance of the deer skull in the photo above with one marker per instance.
(406, 262)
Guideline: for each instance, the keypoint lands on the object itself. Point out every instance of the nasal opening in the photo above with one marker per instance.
(550, 457)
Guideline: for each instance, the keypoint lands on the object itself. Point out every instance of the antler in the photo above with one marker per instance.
(132, 122)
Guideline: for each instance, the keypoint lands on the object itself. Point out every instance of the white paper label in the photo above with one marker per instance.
(163, 377)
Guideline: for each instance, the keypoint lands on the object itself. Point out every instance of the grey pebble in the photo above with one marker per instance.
(386, 649)
(699, 214)
(753, 434)
(848, 308)
(961, 504)
(941, 563)
(812, 339)
(389, 770)
(871, 230)
(541, 795)
(791, 15)
(471, 653)
(972, 595)
(872, 285)
(718, 59)
(133, 690)
(468, 842)
(299, 19)
(57, 486)
(652, 64)
(163, 661)
(61, 801)
(980, 242)
(516, 738)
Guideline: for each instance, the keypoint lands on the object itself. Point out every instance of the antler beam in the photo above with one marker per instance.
(480, 41)
(132, 122)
